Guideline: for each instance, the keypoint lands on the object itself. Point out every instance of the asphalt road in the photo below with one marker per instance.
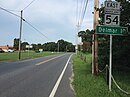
(39, 77)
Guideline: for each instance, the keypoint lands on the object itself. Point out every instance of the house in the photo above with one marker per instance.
(1, 51)
(7, 48)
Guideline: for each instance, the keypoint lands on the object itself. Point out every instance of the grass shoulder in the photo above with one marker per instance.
(24, 55)
(87, 85)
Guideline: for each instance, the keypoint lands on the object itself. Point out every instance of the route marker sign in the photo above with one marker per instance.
(112, 20)
(112, 13)
(111, 30)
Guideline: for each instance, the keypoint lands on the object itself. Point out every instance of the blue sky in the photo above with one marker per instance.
(56, 19)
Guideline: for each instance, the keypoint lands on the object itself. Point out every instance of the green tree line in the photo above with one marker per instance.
(60, 45)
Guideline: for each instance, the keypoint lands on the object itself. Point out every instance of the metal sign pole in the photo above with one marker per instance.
(110, 63)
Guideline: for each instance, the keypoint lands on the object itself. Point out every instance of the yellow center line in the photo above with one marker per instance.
(47, 60)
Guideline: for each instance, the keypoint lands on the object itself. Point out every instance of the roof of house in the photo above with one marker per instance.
(6, 47)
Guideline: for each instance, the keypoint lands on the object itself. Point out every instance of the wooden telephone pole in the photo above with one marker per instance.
(21, 18)
(94, 39)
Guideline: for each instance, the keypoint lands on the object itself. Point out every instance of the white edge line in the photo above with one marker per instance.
(53, 92)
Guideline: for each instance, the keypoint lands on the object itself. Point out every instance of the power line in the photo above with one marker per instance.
(28, 5)
(13, 10)
(84, 11)
(77, 12)
(25, 21)
(9, 12)
(80, 11)
(36, 29)
(10, 9)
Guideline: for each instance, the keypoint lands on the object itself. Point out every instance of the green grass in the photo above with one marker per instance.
(24, 55)
(87, 85)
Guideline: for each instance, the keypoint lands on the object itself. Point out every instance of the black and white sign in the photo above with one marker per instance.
(112, 20)
(29, 46)
(112, 5)
(112, 13)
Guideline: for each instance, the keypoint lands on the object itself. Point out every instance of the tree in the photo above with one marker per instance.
(23, 45)
(50, 46)
(62, 45)
(16, 43)
(86, 37)
(35, 47)
(70, 47)
(39, 46)
(65, 46)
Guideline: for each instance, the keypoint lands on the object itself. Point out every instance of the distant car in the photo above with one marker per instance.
(5, 50)
(1, 51)
(10, 50)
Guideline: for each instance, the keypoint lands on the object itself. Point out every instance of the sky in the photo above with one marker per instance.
(56, 19)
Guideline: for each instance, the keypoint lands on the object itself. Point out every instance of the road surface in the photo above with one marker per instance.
(39, 77)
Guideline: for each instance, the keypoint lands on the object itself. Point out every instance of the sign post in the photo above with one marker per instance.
(112, 27)
(111, 31)
(112, 18)
(110, 64)
(112, 22)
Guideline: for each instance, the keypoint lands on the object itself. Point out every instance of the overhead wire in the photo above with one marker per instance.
(25, 21)
(84, 11)
(31, 24)
(13, 10)
(9, 12)
(28, 4)
(80, 11)
(77, 7)
(36, 29)
(10, 9)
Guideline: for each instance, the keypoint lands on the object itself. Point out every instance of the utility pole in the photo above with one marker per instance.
(21, 18)
(58, 47)
(94, 39)
(66, 49)
(76, 37)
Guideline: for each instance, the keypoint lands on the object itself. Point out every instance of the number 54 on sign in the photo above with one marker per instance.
(112, 20)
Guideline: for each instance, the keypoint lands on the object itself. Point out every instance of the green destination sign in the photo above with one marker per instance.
(111, 30)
